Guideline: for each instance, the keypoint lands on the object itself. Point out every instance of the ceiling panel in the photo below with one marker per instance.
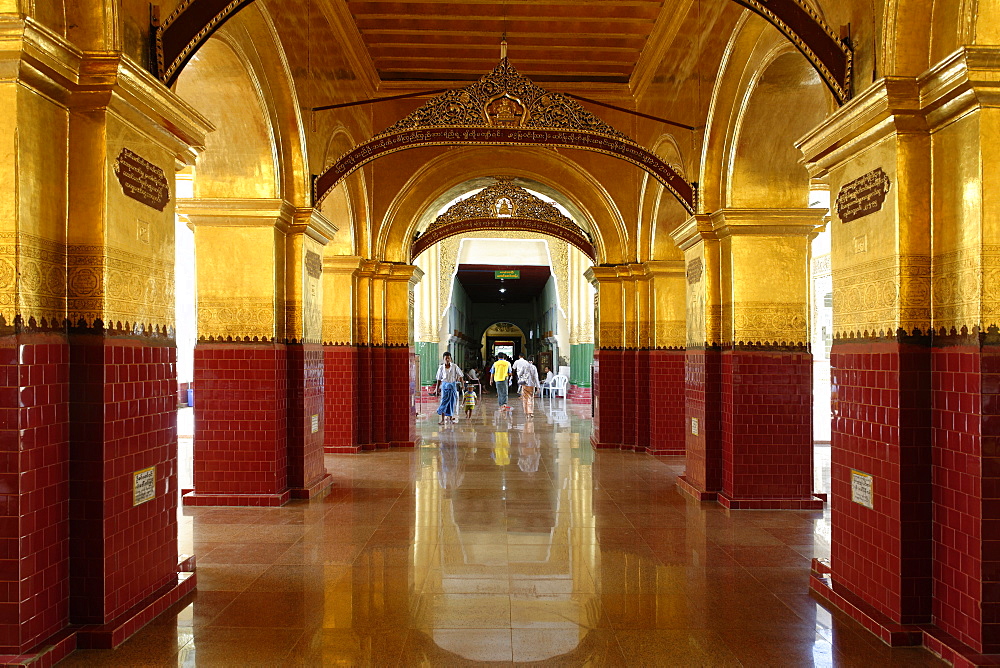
(481, 286)
(597, 41)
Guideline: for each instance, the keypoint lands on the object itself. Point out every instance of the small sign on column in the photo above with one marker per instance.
(862, 489)
(143, 486)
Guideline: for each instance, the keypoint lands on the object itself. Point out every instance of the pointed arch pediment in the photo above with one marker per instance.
(503, 207)
(505, 108)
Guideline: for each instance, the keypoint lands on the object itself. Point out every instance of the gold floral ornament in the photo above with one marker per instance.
(505, 108)
(499, 207)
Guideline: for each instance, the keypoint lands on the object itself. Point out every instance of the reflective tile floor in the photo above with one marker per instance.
(496, 542)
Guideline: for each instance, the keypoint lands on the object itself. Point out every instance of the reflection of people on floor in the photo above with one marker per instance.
(501, 448)
(452, 461)
(529, 455)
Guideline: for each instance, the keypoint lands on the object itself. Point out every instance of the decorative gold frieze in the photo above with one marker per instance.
(764, 323)
(119, 288)
(882, 296)
(236, 320)
(337, 330)
(32, 279)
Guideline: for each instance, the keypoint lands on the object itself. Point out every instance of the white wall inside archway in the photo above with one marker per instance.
(530, 252)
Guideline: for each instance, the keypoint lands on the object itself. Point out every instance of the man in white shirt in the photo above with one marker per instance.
(448, 377)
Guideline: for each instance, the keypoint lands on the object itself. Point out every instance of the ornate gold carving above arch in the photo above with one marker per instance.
(505, 108)
(501, 207)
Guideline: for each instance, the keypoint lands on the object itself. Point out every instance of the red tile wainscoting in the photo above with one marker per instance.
(881, 426)
(307, 476)
(664, 385)
(34, 505)
(399, 408)
(340, 393)
(241, 425)
(966, 483)
(703, 403)
(767, 446)
(609, 409)
(368, 398)
(124, 419)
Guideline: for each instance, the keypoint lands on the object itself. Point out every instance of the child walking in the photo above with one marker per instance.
(469, 399)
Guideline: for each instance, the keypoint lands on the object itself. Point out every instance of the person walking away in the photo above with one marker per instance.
(498, 377)
(448, 375)
(527, 378)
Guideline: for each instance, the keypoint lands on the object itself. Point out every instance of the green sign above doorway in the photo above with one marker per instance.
(507, 273)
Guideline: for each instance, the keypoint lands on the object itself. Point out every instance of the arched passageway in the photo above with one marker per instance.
(688, 326)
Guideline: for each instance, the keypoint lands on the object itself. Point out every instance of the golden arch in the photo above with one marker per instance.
(611, 240)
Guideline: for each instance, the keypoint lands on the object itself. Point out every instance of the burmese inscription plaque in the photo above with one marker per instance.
(142, 180)
(862, 196)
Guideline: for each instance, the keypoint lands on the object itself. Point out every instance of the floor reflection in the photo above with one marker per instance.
(499, 541)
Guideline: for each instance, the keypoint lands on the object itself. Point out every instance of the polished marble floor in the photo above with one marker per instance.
(501, 541)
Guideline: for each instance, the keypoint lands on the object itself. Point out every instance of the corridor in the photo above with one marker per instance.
(497, 541)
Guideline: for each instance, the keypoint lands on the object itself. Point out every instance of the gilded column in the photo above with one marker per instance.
(766, 364)
(34, 197)
(875, 154)
(610, 342)
(304, 242)
(340, 354)
(402, 373)
(664, 379)
(127, 134)
(241, 359)
(363, 325)
(702, 358)
(915, 247)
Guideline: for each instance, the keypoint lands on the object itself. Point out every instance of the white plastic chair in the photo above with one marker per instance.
(559, 384)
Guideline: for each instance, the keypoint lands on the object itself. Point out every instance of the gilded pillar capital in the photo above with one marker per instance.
(767, 222)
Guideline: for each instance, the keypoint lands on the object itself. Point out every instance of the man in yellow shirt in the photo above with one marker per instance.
(498, 377)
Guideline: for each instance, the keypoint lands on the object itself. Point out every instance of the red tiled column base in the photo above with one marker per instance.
(307, 476)
(881, 427)
(945, 645)
(340, 366)
(702, 477)
(399, 414)
(34, 514)
(113, 634)
(124, 419)
(46, 654)
(609, 408)
(664, 384)
(241, 425)
(579, 395)
(767, 430)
